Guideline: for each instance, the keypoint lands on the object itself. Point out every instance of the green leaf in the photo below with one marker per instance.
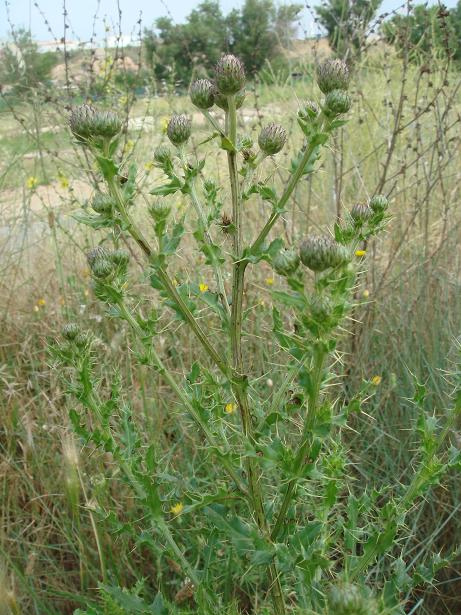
(108, 167)
(166, 189)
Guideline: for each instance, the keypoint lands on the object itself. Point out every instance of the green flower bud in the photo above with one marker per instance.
(102, 268)
(337, 102)
(82, 339)
(88, 123)
(349, 599)
(320, 308)
(272, 138)
(332, 75)
(120, 257)
(320, 253)
(179, 129)
(360, 213)
(95, 254)
(379, 203)
(202, 93)
(162, 154)
(70, 331)
(229, 75)
(160, 210)
(310, 111)
(102, 203)
(221, 100)
(286, 262)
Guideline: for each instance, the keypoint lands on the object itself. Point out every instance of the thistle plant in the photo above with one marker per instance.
(282, 505)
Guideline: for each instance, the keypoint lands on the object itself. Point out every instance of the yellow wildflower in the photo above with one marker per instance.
(164, 124)
(366, 294)
(41, 302)
(32, 182)
(128, 146)
(376, 380)
(360, 252)
(230, 408)
(203, 287)
(63, 181)
(177, 508)
(148, 166)
(269, 281)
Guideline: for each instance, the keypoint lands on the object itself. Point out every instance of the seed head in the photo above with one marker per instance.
(162, 154)
(337, 102)
(349, 599)
(202, 93)
(379, 203)
(88, 123)
(221, 100)
(159, 210)
(286, 262)
(272, 139)
(332, 75)
(229, 75)
(360, 213)
(179, 129)
(70, 331)
(102, 203)
(320, 253)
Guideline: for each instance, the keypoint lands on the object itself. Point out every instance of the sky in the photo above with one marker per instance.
(80, 15)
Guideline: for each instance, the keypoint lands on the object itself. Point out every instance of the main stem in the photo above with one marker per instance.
(306, 438)
(239, 385)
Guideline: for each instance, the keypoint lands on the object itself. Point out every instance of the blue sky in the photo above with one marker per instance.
(24, 13)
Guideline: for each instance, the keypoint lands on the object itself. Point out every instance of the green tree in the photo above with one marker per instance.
(346, 23)
(23, 66)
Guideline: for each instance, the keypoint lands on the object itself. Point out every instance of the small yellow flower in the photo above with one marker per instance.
(36, 308)
(164, 124)
(376, 380)
(366, 294)
(32, 182)
(269, 281)
(41, 302)
(63, 181)
(128, 146)
(123, 100)
(86, 292)
(360, 252)
(148, 166)
(177, 508)
(203, 287)
(230, 408)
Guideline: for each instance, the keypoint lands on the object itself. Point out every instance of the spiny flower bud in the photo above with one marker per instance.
(320, 308)
(96, 254)
(332, 75)
(310, 110)
(272, 139)
(202, 93)
(120, 257)
(379, 203)
(179, 129)
(320, 253)
(337, 102)
(349, 599)
(361, 212)
(286, 262)
(229, 75)
(102, 203)
(162, 154)
(102, 268)
(87, 123)
(221, 100)
(70, 331)
(160, 210)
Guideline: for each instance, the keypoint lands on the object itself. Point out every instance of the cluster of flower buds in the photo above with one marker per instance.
(72, 333)
(179, 129)
(349, 599)
(286, 262)
(103, 263)
(229, 81)
(333, 81)
(321, 253)
(271, 139)
(91, 125)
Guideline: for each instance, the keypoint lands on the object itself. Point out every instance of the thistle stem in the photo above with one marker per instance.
(239, 386)
(306, 438)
